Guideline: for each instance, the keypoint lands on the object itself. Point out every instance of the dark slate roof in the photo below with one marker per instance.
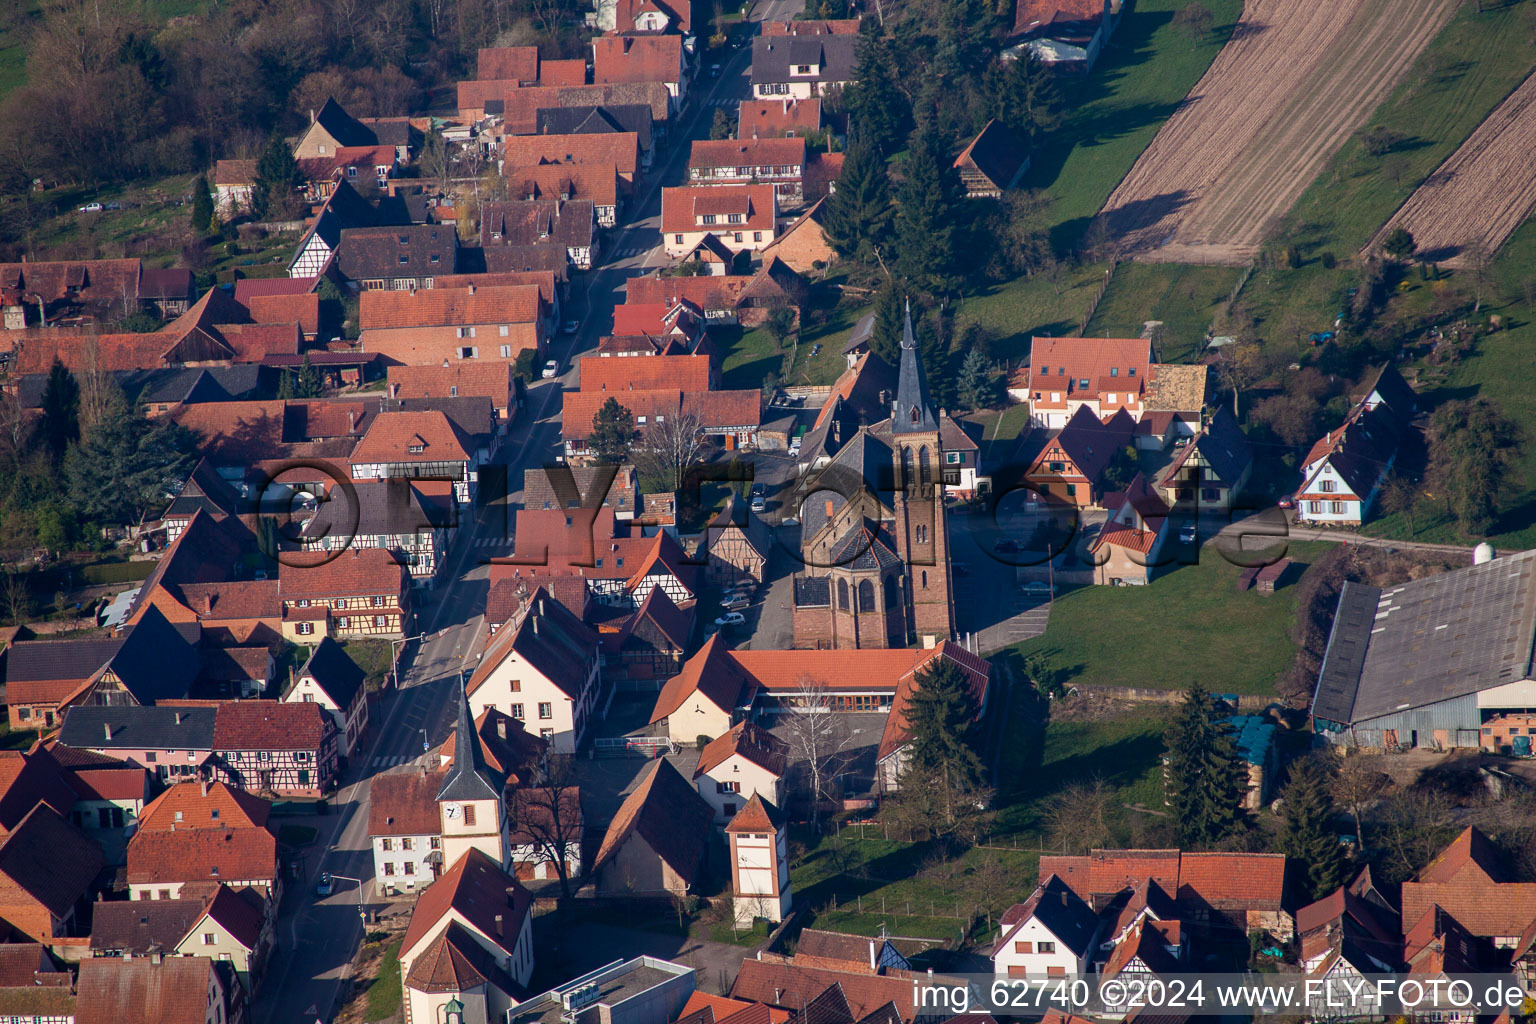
(863, 458)
(427, 250)
(383, 507)
(1223, 446)
(334, 671)
(136, 727)
(997, 153)
(390, 133)
(204, 490)
(528, 222)
(623, 117)
(859, 336)
(195, 384)
(772, 57)
(913, 411)
(1389, 384)
(44, 660)
(139, 926)
(863, 549)
(343, 127)
(156, 662)
(345, 209)
(813, 591)
(1062, 911)
(1429, 640)
(469, 777)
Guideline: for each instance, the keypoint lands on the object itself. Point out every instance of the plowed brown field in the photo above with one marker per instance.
(1295, 81)
(1483, 190)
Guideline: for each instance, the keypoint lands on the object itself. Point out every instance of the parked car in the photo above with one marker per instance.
(1287, 501)
(325, 886)
(794, 448)
(550, 369)
(570, 327)
(730, 619)
(1036, 587)
(759, 497)
(1181, 442)
(1006, 546)
(736, 603)
(714, 71)
(112, 206)
(1188, 534)
(960, 568)
(91, 208)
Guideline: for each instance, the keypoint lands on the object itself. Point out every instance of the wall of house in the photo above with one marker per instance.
(1120, 567)
(747, 777)
(1021, 953)
(751, 240)
(530, 863)
(429, 346)
(488, 834)
(210, 939)
(518, 689)
(427, 1007)
(697, 716)
(637, 870)
(389, 866)
(760, 876)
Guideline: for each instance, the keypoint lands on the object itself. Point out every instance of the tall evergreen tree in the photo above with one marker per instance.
(202, 205)
(941, 718)
(61, 411)
(1023, 95)
(935, 349)
(123, 470)
(277, 174)
(1305, 833)
(885, 338)
(928, 211)
(856, 217)
(1205, 782)
(613, 431)
(964, 38)
(878, 107)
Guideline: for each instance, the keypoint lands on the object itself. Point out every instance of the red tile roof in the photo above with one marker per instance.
(479, 891)
(301, 308)
(563, 72)
(248, 288)
(596, 180)
(791, 986)
(1471, 858)
(404, 803)
(757, 745)
(364, 572)
(682, 373)
(447, 307)
(713, 408)
(682, 208)
(511, 63)
(48, 862)
(140, 991)
(748, 152)
(471, 377)
(669, 815)
(637, 59)
(620, 150)
(707, 292)
(270, 725)
(544, 279)
(759, 815)
(392, 435)
(1221, 881)
(221, 807)
(202, 855)
(1090, 359)
(763, 118)
(1491, 910)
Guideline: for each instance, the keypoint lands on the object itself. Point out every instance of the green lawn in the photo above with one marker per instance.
(1464, 73)
(1188, 625)
(1184, 297)
(1145, 72)
(372, 656)
(749, 357)
(1017, 310)
(383, 996)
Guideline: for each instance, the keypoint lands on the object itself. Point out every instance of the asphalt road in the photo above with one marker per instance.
(317, 938)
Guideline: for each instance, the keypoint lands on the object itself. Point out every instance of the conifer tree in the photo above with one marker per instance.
(613, 431)
(61, 411)
(856, 217)
(941, 718)
(1205, 782)
(1305, 834)
(277, 174)
(202, 205)
(885, 338)
(876, 103)
(928, 210)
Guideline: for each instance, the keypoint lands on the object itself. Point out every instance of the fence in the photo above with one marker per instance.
(634, 746)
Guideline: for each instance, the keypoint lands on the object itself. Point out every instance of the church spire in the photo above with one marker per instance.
(469, 778)
(912, 413)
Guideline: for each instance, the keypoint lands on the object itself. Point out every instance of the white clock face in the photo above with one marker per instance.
(452, 810)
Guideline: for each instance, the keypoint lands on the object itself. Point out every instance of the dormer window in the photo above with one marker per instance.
(708, 218)
(417, 449)
(404, 239)
(1114, 371)
(1131, 372)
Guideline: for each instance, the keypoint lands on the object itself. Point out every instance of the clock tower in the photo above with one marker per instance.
(471, 809)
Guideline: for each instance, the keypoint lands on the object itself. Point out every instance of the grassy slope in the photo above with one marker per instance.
(1177, 630)
(1145, 72)
(1185, 298)
(1467, 70)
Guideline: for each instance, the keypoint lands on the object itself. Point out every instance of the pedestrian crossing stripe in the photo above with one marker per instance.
(390, 762)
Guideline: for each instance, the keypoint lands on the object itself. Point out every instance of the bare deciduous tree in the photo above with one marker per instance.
(820, 742)
(669, 445)
(16, 596)
(1358, 783)
(548, 816)
(1081, 817)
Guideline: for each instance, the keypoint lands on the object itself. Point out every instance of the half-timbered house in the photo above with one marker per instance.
(267, 746)
(424, 445)
(1071, 467)
(364, 592)
(332, 680)
(738, 544)
(410, 519)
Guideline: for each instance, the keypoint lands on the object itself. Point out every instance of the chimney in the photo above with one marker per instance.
(501, 728)
(470, 288)
(205, 787)
(352, 417)
(498, 925)
(178, 718)
(107, 728)
(873, 960)
(311, 115)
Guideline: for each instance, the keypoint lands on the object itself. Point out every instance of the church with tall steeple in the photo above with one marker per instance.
(874, 541)
(471, 802)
